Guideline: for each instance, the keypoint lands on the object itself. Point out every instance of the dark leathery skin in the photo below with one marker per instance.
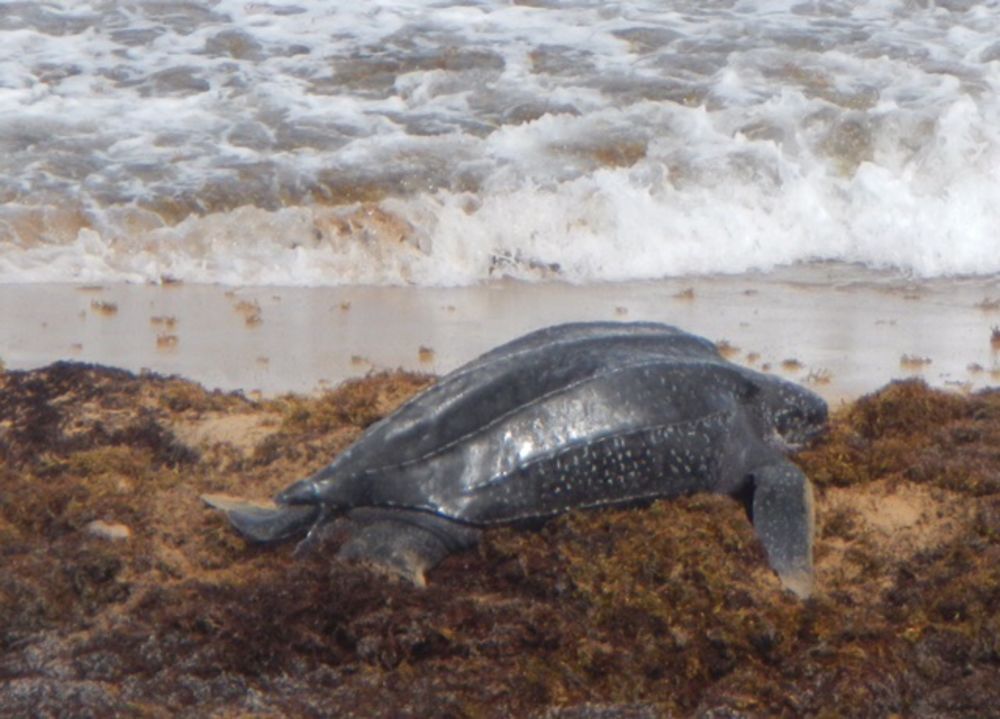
(552, 392)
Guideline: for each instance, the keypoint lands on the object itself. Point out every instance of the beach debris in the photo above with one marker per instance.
(345, 305)
(752, 357)
(975, 368)
(686, 294)
(263, 361)
(995, 337)
(251, 312)
(359, 360)
(90, 288)
(76, 347)
(112, 531)
(621, 311)
(819, 376)
(170, 281)
(791, 364)
(165, 321)
(727, 349)
(914, 362)
(514, 265)
(988, 304)
(165, 340)
(104, 308)
(426, 354)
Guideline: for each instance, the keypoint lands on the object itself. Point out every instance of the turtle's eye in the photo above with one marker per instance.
(800, 421)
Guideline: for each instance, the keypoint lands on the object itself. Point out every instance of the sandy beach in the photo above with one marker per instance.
(234, 236)
(843, 330)
(122, 593)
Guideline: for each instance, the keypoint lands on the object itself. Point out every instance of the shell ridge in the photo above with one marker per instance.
(432, 508)
(497, 356)
(688, 426)
(534, 402)
(569, 335)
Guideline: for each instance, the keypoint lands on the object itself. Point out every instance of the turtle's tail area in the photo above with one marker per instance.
(263, 523)
(783, 516)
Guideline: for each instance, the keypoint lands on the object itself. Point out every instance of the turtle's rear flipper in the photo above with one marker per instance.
(782, 514)
(261, 523)
(404, 543)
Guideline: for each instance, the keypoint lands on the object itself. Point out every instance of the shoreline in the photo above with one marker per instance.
(839, 329)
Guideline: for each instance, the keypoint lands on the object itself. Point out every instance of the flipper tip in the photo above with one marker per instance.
(263, 521)
(800, 583)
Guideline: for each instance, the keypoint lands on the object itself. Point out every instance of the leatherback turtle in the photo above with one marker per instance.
(574, 416)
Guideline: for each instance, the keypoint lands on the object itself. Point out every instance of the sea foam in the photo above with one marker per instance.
(402, 141)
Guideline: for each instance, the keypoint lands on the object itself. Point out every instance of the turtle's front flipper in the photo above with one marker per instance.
(261, 523)
(782, 513)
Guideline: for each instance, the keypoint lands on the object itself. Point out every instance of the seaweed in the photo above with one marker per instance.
(668, 610)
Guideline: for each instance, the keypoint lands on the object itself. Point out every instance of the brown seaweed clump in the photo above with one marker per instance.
(664, 611)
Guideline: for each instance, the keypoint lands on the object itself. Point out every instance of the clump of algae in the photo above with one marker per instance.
(667, 610)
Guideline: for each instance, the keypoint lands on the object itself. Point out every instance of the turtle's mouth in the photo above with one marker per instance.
(776, 441)
(795, 441)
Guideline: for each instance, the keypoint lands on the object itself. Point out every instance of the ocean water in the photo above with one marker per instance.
(450, 143)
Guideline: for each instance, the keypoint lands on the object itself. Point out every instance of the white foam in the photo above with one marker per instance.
(583, 141)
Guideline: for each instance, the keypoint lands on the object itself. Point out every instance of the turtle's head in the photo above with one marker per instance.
(796, 414)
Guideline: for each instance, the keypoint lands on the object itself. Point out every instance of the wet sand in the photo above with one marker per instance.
(843, 330)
